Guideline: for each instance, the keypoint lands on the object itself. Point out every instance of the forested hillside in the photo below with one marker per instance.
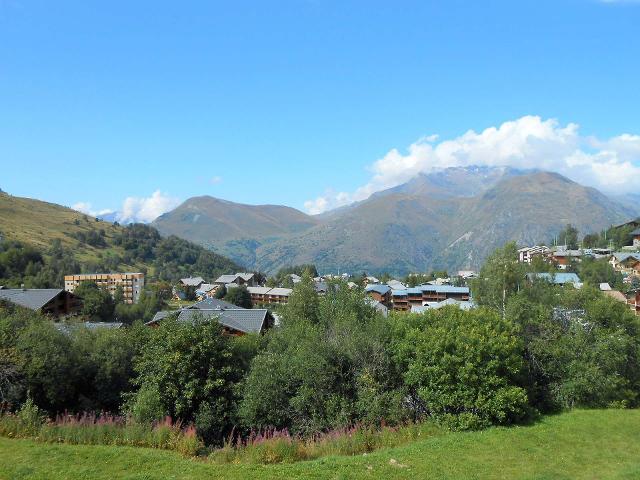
(41, 242)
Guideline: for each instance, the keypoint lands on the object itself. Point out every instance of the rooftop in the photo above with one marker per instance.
(33, 298)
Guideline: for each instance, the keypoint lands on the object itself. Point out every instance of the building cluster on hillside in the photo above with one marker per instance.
(438, 293)
(626, 261)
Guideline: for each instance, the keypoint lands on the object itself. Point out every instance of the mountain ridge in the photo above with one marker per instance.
(446, 219)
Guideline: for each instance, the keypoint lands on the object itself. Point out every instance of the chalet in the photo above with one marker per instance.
(372, 280)
(55, 302)
(248, 279)
(625, 262)
(237, 321)
(562, 258)
(206, 290)
(212, 304)
(380, 293)
(194, 282)
(557, 278)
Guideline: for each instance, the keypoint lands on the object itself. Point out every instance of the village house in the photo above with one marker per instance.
(380, 293)
(54, 302)
(193, 282)
(626, 263)
(247, 279)
(235, 322)
(562, 258)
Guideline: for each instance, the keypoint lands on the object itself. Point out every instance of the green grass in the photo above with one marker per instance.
(582, 444)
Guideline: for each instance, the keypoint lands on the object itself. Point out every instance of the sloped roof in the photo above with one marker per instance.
(240, 319)
(617, 295)
(399, 293)
(212, 304)
(192, 281)
(206, 287)
(226, 279)
(622, 256)
(245, 276)
(381, 289)
(33, 298)
(396, 285)
(160, 315)
(636, 232)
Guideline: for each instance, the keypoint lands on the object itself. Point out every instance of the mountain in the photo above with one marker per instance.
(450, 219)
(233, 229)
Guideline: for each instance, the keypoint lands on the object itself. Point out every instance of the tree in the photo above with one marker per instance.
(239, 296)
(189, 372)
(97, 303)
(303, 302)
(465, 366)
(500, 277)
(569, 236)
(327, 366)
(221, 291)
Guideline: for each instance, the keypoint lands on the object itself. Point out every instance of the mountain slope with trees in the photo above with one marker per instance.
(41, 242)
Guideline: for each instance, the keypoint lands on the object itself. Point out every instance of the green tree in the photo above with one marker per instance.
(239, 296)
(194, 371)
(500, 277)
(569, 236)
(465, 366)
(97, 303)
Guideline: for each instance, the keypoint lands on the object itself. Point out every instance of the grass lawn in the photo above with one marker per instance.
(600, 444)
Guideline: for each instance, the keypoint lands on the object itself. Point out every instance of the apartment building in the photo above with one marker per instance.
(132, 283)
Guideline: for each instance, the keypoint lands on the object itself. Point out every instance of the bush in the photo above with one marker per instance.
(465, 367)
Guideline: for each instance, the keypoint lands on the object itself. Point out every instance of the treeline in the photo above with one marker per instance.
(617, 237)
(334, 362)
(163, 259)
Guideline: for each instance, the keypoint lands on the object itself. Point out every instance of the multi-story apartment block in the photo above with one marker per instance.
(132, 283)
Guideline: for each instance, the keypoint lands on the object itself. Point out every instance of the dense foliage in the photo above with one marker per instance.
(334, 361)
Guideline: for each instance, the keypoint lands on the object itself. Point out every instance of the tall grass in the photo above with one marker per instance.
(279, 446)
(101, 429)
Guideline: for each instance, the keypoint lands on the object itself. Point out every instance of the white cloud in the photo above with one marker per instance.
(134, 209)
(215, 180)
(85, 207)
(528, 142)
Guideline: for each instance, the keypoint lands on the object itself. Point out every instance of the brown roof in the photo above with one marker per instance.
(615, 294)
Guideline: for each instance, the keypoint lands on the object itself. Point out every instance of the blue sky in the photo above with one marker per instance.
(311, 104)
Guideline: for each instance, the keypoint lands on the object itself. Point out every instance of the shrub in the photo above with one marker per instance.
(465, 367)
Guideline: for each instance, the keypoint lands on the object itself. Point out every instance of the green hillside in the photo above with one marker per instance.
(596, 444)
(57, 240)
